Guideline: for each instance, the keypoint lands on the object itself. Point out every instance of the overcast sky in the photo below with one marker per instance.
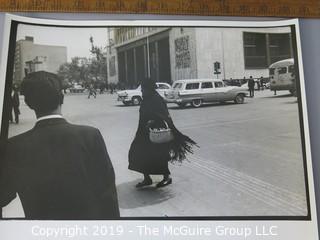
(75, 39)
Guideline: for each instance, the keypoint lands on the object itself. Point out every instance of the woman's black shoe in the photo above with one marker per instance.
(145, 182)
(164, 183)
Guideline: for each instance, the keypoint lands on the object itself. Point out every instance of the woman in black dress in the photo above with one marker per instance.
(147, 157)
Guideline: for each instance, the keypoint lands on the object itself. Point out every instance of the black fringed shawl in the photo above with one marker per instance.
(153, 107)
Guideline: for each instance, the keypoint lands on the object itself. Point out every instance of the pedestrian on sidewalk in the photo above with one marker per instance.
(251, 86)
(102, 87)
(92, 91)
(60, 171)
(262, 83)
(151, 158)
(112, 88)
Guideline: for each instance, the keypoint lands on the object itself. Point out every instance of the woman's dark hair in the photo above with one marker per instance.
(42, 91)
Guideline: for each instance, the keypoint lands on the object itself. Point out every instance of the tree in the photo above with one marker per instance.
(86, 71)
(98, 67)
(75, 71)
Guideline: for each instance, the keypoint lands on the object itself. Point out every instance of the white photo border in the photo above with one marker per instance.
(303, 116)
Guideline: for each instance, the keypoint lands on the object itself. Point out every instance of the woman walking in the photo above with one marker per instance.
(151, 158)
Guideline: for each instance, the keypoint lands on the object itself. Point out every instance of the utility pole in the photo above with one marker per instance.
(148, 57)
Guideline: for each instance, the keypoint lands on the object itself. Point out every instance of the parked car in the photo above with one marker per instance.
(76, 88)
(134, 96)
(199, 91)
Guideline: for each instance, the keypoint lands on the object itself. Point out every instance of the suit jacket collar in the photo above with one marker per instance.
(50, 121)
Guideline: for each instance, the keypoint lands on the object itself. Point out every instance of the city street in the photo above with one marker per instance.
(249, 162)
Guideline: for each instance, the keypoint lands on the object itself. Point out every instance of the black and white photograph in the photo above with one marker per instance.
(154, 121)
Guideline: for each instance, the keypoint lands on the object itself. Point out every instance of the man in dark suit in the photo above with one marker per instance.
(60, 170)
(251, 86)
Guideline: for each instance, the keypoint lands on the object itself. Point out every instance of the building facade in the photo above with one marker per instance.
(31, 57)
(136, 53)
(168, 54)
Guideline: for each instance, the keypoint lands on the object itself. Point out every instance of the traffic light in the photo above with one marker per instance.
(216, 66)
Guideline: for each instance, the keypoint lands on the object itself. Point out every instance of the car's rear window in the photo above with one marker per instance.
(291, 69)
(163, 86)
(218, 84)
(282, 70)
(191, 86)
(177, 85)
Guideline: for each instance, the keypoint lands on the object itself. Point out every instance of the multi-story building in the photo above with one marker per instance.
(136, 53)
(167, 54)
(30, 57)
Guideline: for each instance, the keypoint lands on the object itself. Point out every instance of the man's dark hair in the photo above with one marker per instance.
(42, 91)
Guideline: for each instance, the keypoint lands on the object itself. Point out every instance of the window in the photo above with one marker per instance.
(112, 66)
(191, 86)
(162, 86)
(279, 47)
(263, 49)
(177, 86)
(291, 69)
(218, 84)
(206, 85)
(271, 71)
(255, 50)
(282, 70)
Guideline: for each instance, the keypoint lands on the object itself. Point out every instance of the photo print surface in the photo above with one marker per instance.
(234, 89)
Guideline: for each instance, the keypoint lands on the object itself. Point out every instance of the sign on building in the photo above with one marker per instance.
(182, 52)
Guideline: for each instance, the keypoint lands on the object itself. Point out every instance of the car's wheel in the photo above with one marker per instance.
(136, 100)
(239, 99)
(181, 105)
(196, 103)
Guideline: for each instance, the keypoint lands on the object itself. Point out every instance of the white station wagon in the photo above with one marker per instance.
(134, 96)
(199, 91)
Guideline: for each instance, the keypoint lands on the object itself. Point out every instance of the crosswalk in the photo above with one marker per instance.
(286, 201)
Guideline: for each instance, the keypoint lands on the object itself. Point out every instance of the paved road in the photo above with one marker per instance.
(249, 162)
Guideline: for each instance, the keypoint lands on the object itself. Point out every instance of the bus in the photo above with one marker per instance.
(282, 76)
